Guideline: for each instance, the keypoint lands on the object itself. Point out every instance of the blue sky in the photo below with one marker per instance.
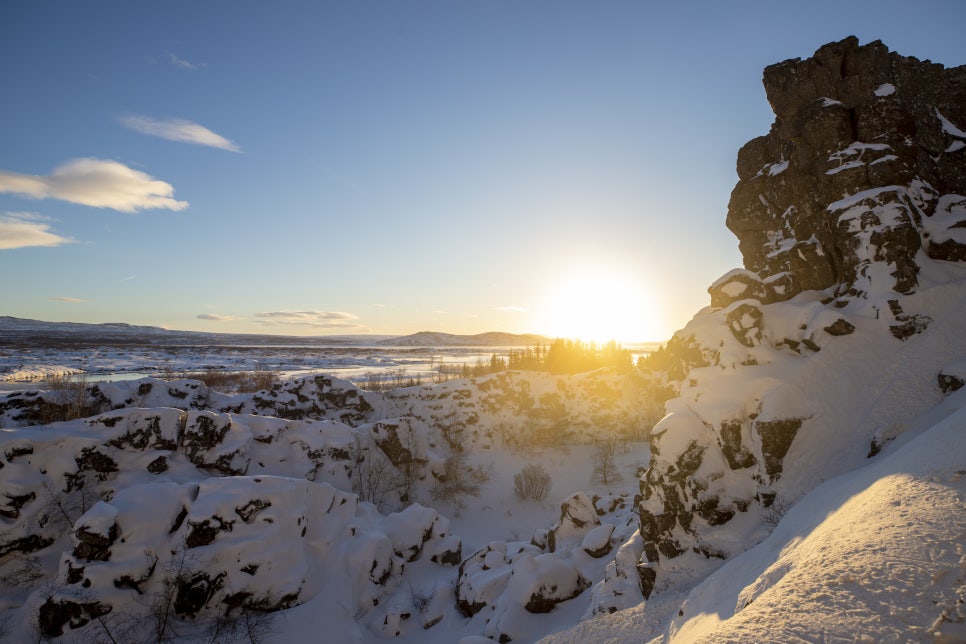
(313, 168)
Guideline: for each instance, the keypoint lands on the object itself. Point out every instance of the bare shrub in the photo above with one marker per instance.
(21, 571)
(421, 598)
(458, 480)
(604, 460)
(66, 398)
(262, 378)
(532, 482)
(249, 625)
(230, 381)
(160, 604)
(379, 481)
(381, 382)
(774, 513)
(63, 508)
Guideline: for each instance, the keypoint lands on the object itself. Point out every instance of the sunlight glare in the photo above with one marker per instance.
(597, 305)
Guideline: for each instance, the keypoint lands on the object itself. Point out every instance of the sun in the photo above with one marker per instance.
(598, 304)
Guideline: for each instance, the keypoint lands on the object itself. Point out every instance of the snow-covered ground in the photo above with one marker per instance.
(875, 555)
(356, 362)
(224, 495)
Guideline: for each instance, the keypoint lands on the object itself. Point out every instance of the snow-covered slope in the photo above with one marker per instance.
(877, 555)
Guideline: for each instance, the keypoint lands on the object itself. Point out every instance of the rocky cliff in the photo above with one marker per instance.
(863, 166)
(844, 324)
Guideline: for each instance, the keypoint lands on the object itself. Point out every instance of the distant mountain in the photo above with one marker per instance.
(23, 325)
(21, 331)
(490, 339)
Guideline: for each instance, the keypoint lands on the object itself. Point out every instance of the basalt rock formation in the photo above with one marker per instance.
(844, 325)
(864, 165)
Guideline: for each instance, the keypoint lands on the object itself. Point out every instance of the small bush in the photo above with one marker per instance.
(532, 482)
(774, 513)
(230, 381)
(458, 480)
(66, 398)
(605, 463)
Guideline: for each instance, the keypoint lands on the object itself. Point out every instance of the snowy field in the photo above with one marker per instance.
(356, 362)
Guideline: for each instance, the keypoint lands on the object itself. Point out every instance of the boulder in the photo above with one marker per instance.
(578, 516)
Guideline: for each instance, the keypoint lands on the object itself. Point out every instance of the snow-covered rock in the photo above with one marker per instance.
(780, 389)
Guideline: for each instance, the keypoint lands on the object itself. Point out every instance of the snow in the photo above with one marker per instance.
(732, 275)
(264, 502)
(858, 154)
(773, 169)
(949, 127)
(876, 554)
(777, 168)
(829, 102)
(885, 89)
(948, 222)
(38, 372)
(878, 551)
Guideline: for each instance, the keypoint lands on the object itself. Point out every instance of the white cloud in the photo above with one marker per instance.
(317, 319)
(99, 183)
(69, 300)
(181, 62)
(511, 309)
(23, 229)
(178, 130)
(216, 318)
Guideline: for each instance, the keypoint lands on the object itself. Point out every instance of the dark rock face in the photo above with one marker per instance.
(859, 121)
(92, 546)
(952, 378)
(776, 439)
(193, 593)
(54, 615)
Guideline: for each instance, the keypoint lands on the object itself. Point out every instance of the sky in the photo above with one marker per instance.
(323, 168)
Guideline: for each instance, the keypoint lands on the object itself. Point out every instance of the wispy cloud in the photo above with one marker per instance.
(216, 318)
(177, 61)
(99, 183)
(178, 130)
(317, 319)
(69, 300)
(511, 309)
(23, 229)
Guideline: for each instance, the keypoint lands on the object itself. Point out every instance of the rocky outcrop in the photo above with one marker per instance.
(865, 164)
(851, 220)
